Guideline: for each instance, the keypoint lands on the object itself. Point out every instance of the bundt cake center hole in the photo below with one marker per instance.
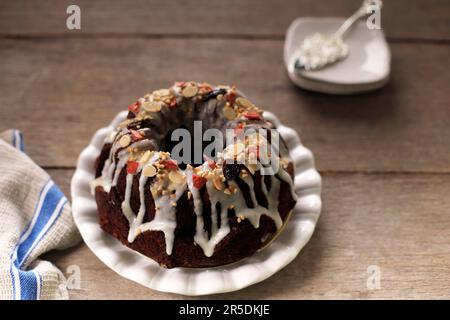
(193, 157)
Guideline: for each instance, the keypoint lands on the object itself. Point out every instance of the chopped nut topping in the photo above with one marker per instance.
(176, 177)
(149, 171)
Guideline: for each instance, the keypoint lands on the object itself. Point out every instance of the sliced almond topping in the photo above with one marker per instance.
(189, 91)
(149, 171)
(125, 141)
(151, 106)
(217, 183)
(229, 113)
(146, 156)
(176, 177)
(245, 103)
(162, 92)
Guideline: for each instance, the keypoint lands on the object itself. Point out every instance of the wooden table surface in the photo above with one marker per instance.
(384, 156)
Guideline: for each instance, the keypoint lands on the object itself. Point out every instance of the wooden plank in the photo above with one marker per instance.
(401, 18)
(398, 222)
(59, 91)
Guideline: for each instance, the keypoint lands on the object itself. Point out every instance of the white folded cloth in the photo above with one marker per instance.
(35, 217)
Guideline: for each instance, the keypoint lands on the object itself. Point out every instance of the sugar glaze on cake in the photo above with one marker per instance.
(212, 214)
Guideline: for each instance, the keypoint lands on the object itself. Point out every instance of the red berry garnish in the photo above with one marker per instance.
(173, 103)
(206, 88)
(239, 128)
(198, 181)
(211, 163)
(231, 97)
(132, 166)
(135, 107)
(136, 135)
(180, 84)
(252, 115)
(169, 164)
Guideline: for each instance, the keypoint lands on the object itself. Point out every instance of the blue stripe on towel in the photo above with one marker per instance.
(48, 208)
(21, 144)
(13, 280)
(14, 138)
(28, 284)
(17, 140)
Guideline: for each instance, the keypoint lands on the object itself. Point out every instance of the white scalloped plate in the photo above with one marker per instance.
(263, 264)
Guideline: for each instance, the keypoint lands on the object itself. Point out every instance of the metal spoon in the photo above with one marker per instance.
(319, 50)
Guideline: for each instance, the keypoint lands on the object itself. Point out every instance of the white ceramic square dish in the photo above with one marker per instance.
(134, 266)
(366, 68)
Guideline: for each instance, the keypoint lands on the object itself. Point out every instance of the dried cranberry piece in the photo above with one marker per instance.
(169, 164)
(198, 181)
(252, 115)
(213, 94)
(135, 107)
(231, 97)
(231, 170)
(132, 167)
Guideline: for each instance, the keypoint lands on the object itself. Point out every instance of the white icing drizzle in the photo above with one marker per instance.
(254, 214)
(137, 221)
(217, 234)
(165, 216)
(285, 177)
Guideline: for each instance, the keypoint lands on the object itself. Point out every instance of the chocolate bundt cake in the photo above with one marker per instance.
(211, 211)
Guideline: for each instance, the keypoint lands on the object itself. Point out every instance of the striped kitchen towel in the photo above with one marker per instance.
(35, 217)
